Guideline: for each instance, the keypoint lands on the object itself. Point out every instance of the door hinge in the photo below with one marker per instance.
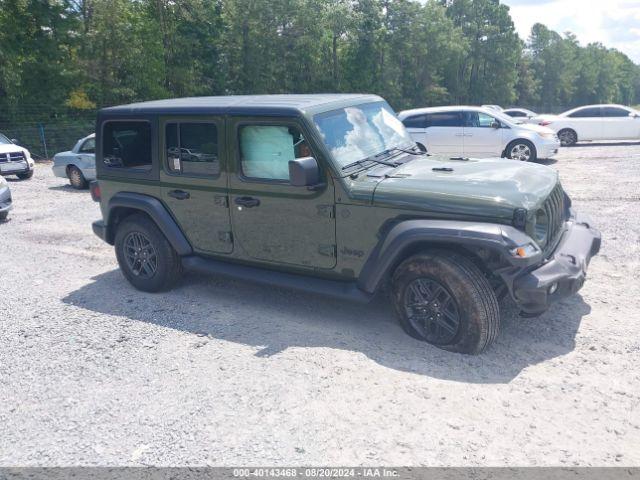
(225, 237)
(221, 201)
(327, 211)
(328, 250)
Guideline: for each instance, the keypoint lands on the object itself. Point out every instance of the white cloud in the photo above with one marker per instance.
(614, 23)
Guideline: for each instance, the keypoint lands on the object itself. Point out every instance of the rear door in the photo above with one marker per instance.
(618, 125)
(444, 133)
(194, 181)
(481, 138)
(587, 122)
(273, 221)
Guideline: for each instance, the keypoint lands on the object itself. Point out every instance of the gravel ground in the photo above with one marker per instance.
(217, 372)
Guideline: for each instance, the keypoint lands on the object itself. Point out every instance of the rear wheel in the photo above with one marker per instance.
(567, 137)
(522, 150)
(442, 298)
(76, 178)
(145, 256)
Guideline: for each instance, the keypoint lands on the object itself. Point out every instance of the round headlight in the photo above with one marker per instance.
(541, 227)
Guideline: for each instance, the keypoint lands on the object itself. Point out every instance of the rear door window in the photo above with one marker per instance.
(127, 145)
(614, 112)
(192, 148)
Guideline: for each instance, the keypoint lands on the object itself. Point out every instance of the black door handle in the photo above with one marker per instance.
(247, 202)
(179, 194)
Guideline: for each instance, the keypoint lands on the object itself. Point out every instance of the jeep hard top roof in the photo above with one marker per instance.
(281, 105)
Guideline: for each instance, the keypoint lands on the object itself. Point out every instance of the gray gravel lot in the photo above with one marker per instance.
(218, 372)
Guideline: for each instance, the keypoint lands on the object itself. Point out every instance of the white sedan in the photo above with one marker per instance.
(521, 114)
(78, 164)
(478, 132)
(594, 122)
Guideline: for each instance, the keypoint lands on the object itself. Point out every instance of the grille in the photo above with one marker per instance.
(12, 157)
(556, 212)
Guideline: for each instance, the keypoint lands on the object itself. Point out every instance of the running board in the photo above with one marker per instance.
(329, 288)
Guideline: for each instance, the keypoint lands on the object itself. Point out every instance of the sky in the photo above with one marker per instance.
(614, 23)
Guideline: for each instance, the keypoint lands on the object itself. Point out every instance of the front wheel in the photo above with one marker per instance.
(145, 256)
(76, 178)
(442, 298)
(522, 150)
(4, 215)
(26, 175)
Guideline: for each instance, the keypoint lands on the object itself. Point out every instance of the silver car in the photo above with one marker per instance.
(78, 164)
(5, 199)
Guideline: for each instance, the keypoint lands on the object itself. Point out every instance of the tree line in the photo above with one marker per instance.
(58, 57)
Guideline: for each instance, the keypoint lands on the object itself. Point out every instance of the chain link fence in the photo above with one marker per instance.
(44, 136)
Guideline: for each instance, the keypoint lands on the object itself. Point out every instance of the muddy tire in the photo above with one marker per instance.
(443, 298)
(26, 175)
(145, 256)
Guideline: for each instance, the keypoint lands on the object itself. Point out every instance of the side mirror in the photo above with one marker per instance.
(421, 147)
(304, 172)
(15, 140)
(495, 125)
(634, 115)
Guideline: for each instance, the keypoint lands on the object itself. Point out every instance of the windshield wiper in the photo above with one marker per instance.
(398, 149)
(370, 159)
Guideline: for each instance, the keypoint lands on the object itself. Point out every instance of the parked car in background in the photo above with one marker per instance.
(78, 164)
(497, 108)
(520, 114)
(594, 122)
(5, 199)
(14, 159)
(478, 132)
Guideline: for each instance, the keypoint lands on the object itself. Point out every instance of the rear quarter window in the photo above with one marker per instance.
(127, 145)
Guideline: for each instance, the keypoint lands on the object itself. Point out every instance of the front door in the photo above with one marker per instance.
(273, 221)
(194, 181)
(481, 138)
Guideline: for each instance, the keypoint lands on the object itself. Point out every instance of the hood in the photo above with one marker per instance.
(488, 187)
(11, 147)
(535, 128)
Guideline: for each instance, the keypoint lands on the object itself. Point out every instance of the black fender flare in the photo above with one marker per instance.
(402, 236)
(156, 211)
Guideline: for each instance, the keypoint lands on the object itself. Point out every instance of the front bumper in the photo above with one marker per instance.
(15, 168)
(563, 273)
(5, 199)
(548, 148)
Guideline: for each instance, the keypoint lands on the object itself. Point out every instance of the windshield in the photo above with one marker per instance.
(360, 131)
(4, 140)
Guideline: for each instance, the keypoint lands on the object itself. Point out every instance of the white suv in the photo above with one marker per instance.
(594, 122)
(478, 132)
(15, 160)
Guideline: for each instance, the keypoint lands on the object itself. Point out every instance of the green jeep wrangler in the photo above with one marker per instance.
(329, 194)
